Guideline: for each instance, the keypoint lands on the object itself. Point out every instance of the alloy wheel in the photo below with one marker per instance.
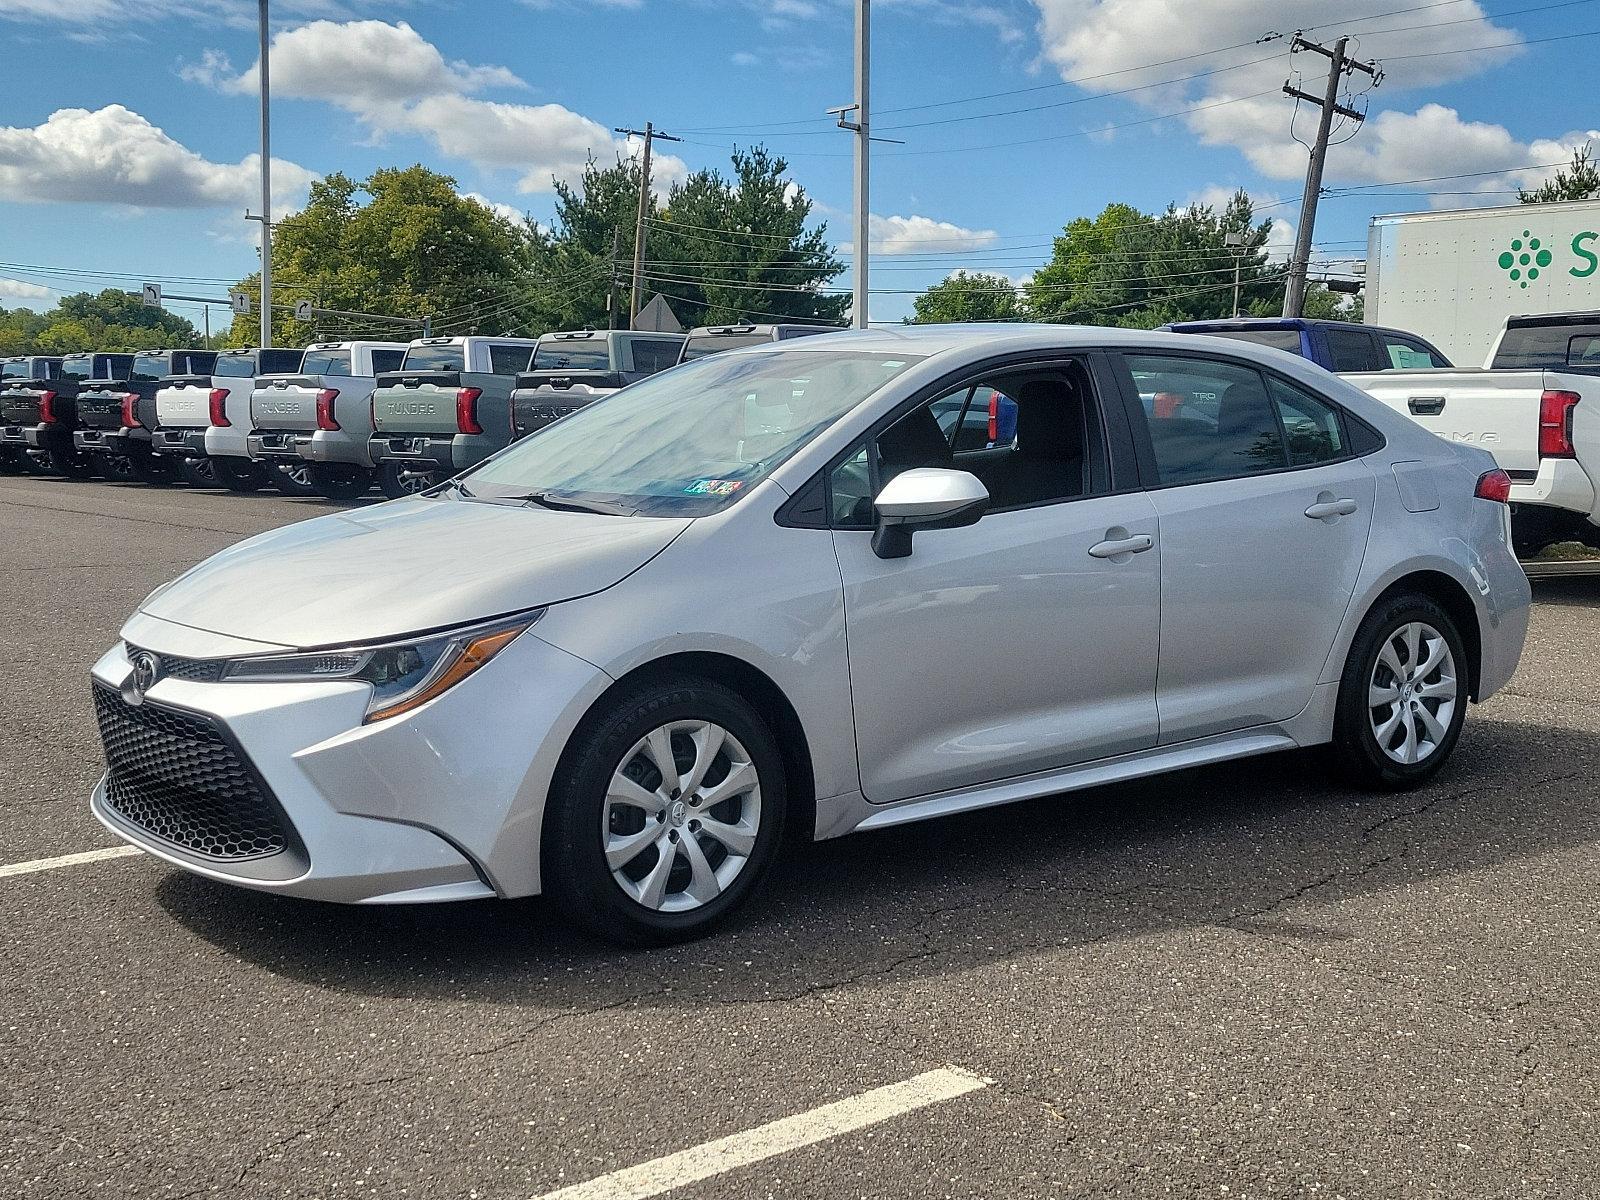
(1413, 693)
(681, 816)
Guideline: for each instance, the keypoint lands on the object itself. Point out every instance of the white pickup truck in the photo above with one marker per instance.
(1535, 406)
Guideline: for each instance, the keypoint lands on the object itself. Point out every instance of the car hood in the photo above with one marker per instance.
(406, 567)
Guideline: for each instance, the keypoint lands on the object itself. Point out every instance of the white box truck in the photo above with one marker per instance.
(1455, 276)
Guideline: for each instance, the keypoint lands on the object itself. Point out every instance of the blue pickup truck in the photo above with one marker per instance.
(1335, 345)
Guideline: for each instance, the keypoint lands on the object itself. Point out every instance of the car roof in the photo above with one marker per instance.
(998, 336)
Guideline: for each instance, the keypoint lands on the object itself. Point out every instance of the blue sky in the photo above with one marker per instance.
(128, 127)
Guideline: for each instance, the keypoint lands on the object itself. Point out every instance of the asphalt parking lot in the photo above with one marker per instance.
(1235, 982)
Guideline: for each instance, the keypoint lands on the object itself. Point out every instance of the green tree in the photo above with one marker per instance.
(108, 320)
(403, 243)
(964, 297)
(1579, 180)
(1133, 269)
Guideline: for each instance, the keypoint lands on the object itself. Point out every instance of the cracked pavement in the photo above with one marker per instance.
(1242, 981)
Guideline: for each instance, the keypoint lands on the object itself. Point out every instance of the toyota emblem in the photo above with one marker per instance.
(146, 670)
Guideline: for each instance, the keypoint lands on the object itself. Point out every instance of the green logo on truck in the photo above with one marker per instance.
(1525, 259)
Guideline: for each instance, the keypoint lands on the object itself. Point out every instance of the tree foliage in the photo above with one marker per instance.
(1579, 180)
(111, 320)
(964, 297)
(403, 242)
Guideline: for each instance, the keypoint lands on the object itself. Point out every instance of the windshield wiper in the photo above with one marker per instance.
(567, 504)
(458, 486)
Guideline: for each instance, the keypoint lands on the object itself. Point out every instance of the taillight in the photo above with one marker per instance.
(1555, 424)
(219, 408)
(994, 417)
(1494, 485)
(467, 410)
(325, 399)
(47, 407)
(130, 419)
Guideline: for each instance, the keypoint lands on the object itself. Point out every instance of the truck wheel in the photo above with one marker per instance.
(115, 468)
(343, 482)
(291, 478)
(199, 472)
(152, 469)
(13, 462)
(74, 464)
(240, 474)
(399, 480)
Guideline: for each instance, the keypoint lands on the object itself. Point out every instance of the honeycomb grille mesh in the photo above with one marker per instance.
(176, 777)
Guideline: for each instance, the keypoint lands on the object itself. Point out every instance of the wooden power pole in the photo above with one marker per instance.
(649, 133)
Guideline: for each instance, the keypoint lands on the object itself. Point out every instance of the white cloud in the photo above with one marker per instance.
(504, 211)
(17, 289)
(924, 235)
(115, 156)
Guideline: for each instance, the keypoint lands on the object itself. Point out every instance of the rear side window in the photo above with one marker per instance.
(326, 362)
(433, 358)
(383, 360)
(651, 354)
(1311, 425)
(1207, 419)
(279, 362)
(508, 360)
(1354, 350)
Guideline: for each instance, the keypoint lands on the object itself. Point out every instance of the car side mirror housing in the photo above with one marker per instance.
(925, 498)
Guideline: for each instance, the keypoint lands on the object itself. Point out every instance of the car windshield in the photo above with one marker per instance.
(577, 354)
(326, 362)
(715, 343)
(690, 441)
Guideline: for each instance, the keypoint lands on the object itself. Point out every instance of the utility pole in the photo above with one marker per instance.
(861, 126)
(1234, 241)
(649, 133)
(616, 263)
(207, 309)
(1294, 295)
(266, 186)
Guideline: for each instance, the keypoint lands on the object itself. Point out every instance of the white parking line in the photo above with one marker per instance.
(67, 860)
(779, 1137)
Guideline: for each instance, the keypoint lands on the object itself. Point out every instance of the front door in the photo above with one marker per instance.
(1023, 643)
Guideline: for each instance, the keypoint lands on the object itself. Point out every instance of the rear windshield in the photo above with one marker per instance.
(1278, 339)
(15, 370)
(1548, 346)
(235, 366)
(575, 355)
(326, 362)
(714, 343)
(433, 358)
(147, 368)
(79, 366)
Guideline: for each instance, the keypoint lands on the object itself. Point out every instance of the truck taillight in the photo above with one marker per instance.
(1494, 485)
(130, 419)
(467, 410)
(325, 399)
(219, 408)
(47, 407)
(1555, 424)
(994, 416)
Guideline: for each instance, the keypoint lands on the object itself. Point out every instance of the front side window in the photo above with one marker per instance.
(688, 442)
(1207, 419)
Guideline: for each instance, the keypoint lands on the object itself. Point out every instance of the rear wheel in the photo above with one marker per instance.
(1403, 697)
(665, 813)
(152, 468)
(291, 478)
(344, 482)
(199, 472)
(240, 474)
(115, 467)
(74, 464)
(398, 479)
(14, 462)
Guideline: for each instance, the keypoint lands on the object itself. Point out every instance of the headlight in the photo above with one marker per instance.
(403, 675)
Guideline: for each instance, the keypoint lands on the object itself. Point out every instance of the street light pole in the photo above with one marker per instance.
(266, 187)
(1235, 242)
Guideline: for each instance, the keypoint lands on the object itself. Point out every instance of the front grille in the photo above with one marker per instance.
(195, 670)
(175, 776)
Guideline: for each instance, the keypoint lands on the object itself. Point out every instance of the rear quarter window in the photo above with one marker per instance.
(509, 360)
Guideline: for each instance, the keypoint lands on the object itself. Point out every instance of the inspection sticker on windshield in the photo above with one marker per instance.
(714, 487)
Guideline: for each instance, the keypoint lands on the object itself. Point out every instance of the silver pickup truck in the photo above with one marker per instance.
(203, 421)
(572, 370)
(318, 420)
(447, 408)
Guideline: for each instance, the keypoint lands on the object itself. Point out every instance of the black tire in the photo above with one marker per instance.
(291, 478)
(240, 474)
(14, 462)
(575, 871)
(1356, 752)
(344, 482)
(74, 464)
(199, 472)
(399, 480)
(152, 469)
(117, 468)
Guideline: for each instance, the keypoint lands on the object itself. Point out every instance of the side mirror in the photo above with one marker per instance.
(925, 498)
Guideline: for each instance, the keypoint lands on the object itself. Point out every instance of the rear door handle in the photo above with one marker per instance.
(1123, 546)
(1425, 406)
(1323, 510)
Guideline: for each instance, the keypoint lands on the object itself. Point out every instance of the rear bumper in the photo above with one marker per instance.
(113, 441)
(227, 441)
(273, 444)
(181, 443)
(334, 446)
(445, 454)
(1561, 483)
(35, 437)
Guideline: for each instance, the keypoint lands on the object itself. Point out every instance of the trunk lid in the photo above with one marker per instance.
(416, 402)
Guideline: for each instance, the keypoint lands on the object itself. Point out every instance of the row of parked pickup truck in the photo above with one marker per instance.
(332, 419)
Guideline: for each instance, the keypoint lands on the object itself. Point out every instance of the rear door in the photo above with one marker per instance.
(1264, 514)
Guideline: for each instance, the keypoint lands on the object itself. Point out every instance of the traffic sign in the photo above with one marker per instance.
(152, 295)
(302, 310)
(240, 302)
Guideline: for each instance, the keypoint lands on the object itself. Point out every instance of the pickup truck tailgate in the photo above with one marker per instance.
(185, 403)
(287, 402)
(416, 402)
(1497, 411)
(19, 406)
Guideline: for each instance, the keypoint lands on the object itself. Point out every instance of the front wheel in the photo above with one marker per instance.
(240, 474)
(399, 480)
(1403, 697)
(74, 464)
(343, 482)
(665, 813)
(291, 478)
(151, 468)
(199, 472)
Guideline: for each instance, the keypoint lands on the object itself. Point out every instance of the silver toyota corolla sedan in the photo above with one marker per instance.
(832, 584)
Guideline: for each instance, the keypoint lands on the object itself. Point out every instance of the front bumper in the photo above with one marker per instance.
(444, 803)
(180, 443)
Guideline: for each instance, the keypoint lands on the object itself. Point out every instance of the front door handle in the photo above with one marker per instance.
(1425, 406)
(1324, 510)
(1121, 547)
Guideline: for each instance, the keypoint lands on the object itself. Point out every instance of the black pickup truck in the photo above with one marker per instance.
(22, 370)
(42, 416)
(117, 417)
